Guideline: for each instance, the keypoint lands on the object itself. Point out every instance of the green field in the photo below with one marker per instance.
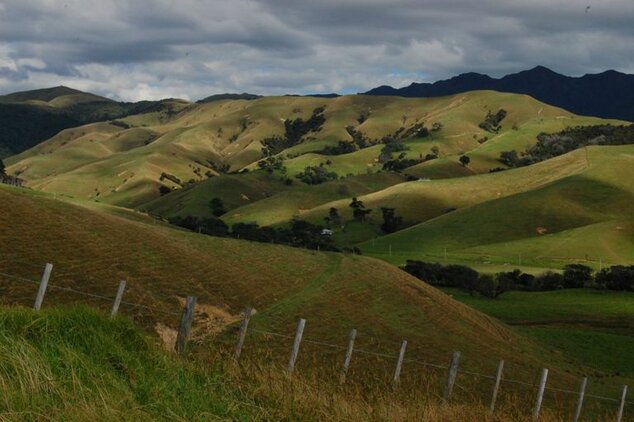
(587, 327)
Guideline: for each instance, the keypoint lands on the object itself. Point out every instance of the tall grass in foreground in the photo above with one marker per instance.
(77, 364)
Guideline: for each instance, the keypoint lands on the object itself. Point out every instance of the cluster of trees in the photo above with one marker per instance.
(299, 234)
(342, 147)
(315, 175)
(618, 277)
(294, 131)
(3, 170)
(390, 146)
(492, 121)
(417, 130)
(401, 162)
(271, 164)
(569, 139)
(573, 276)
(459, 276)
(170, 177)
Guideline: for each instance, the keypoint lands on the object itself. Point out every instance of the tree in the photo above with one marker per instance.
(391, 222)
(577, 276)
(164, 190)
(492, 287)
(617, 277)
(465, 160)
(315, 175)
(550, 281)
(359, 212)
(435, 150)
(3, 171)
(334, 217)
(217, 207)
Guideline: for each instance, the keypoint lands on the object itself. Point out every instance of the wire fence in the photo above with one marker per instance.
(187, 320)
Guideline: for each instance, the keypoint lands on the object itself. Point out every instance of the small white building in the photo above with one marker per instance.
(327, 232)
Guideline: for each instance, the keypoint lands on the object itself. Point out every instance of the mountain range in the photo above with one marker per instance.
(609, 94)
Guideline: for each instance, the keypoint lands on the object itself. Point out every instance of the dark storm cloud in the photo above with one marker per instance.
(135, 49)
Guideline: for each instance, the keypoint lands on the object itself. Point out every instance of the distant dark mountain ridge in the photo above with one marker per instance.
(609, 94)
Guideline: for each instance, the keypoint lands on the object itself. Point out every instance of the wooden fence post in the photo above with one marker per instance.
(582, 393)
(540, 394)
(399, 363)
(619, 417)
(243, 332)
(298, 340)
(43, 285)
(451, 376)
(496, 387)
(117, 299)
(185, 325)
(346, 363)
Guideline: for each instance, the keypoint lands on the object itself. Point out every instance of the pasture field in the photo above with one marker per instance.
(589, 327)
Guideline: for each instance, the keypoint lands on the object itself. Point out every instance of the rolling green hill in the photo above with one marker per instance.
(450, 211)
(123, 164)
(93, 246)
(578, 215)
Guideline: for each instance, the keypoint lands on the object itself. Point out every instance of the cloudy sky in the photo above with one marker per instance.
(150, 49)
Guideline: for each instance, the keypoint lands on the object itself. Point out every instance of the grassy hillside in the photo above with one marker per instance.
(123, 164)
(75, 364)
(78, 365)
(584, 212)
(93, 248)
(263, 198)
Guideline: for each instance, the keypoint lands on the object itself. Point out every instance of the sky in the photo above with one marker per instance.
(150, 49)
